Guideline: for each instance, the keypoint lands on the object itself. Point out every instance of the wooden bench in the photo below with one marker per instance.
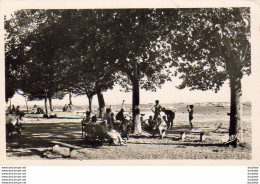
(71, 147)
(81, 112)
(184, 133)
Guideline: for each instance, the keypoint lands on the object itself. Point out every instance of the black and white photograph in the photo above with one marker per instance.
(128, 83)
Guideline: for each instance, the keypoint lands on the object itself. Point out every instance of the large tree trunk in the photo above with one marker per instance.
(135, 103)
(235, 111)
(70, 96)
(45, 103)
(101, 103)
(137, 128)
(50, 102)
(90, 102)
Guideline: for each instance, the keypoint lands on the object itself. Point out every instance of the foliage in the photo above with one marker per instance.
(213, 45)
(36, 37)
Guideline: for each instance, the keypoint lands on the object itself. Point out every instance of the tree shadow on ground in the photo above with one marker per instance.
(40, 136)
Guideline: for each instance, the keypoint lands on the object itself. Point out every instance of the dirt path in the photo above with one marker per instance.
(35, 143)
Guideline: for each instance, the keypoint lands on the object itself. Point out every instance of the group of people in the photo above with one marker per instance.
(14, 111)
(67, 107)
(14, 118)
(170, 114)
(37, 110)
(109, 117)
(112, 126)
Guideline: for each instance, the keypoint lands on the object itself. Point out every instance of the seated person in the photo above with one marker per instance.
(112, 117)
(14, 123)
(151, 122)
(8, 111)
(40, 110)
(65, 108)
(87, 118)
(107, 118)
(34, 109)
(13, 110)
(94, 119)
(20, 119)
(70, 107)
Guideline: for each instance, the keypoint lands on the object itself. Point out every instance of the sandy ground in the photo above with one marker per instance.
(35, 142)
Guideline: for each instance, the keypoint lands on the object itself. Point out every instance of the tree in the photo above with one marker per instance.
(213, 45)
(135, 47)
(14, 58)
(128, 42)
(88, 78)
(87, 72)
(39, 37)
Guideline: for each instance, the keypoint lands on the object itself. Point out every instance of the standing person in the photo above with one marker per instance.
(151, 123)
(120, 116)
(170, 117)
(156, 109)
(123, 105)
(190, 110)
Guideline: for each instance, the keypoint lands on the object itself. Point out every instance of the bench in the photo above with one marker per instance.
(71, 147)
(81, 112)
(184, 133)
(50, 116)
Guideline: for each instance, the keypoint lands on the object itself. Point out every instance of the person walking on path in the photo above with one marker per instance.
(190, 111)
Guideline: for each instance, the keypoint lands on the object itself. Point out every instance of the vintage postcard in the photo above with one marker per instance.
(130, 83)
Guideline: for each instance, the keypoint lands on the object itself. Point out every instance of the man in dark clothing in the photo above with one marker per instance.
(120, 115)
(17, 112)
(170, 117)
(190, 111)
(13, 110)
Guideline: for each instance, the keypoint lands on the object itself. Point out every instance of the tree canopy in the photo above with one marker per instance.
(213, 46)
(88, 51)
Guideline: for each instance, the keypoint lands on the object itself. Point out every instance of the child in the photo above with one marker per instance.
(190, 110)
(156, 109)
